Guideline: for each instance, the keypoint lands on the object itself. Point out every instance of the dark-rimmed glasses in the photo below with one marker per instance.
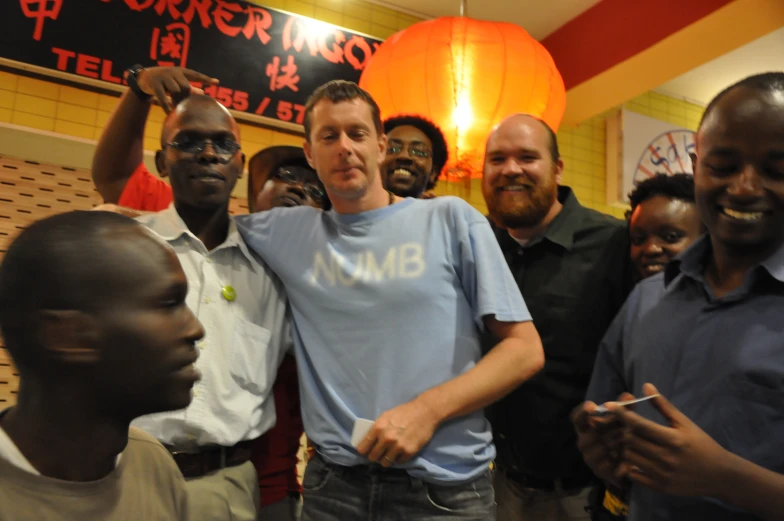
(287, 176)
(221, 146)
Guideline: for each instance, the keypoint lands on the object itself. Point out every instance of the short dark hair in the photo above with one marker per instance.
(676, 186)
(337, 91)
(433, 133)
(767, 81)
(194, 102)
(52, 265)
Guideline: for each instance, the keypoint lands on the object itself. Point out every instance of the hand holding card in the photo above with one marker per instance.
(361, 428)
(602, 409)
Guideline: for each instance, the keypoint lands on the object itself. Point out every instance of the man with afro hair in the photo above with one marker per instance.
(416, 155)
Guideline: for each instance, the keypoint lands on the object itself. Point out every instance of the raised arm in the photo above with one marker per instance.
(121, 147)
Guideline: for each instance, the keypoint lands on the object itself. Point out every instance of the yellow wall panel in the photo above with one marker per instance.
(106, 103)
(362, 10)
(299, 7)
(357, 24)
(8, 81)
(33, 121)
(34, 105)
(76, 114)
(7, 99)
(74, 129)
(38, 88)
(79, 97)
(329, 16)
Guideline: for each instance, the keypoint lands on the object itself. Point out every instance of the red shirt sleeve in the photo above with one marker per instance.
(275, 452)
(145, 192)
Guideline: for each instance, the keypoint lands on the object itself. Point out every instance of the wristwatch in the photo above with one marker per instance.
(132, 77)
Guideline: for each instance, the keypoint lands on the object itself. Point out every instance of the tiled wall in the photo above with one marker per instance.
(666, 108)
(584, 147)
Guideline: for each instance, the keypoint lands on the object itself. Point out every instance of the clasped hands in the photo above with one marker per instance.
(677, 459)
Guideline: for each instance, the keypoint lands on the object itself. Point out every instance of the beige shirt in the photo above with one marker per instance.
(246, 339)
(146, 485)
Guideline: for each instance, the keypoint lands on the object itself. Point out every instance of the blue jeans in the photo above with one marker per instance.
(372, 493)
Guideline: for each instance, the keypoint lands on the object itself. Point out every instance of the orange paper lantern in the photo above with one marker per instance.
(466, 75)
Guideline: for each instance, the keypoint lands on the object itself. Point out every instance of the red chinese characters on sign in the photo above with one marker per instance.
(40, 10)
(170, 48)
(283, 77)
(254, 20)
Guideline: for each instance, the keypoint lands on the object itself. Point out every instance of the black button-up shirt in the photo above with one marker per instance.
(574, 279)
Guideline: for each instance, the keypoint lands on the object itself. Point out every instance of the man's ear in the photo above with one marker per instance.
(69, 336)
(559, 167)
(242, 161)
(308, 151)
(382, 148)
(693, 158)
(160, 163)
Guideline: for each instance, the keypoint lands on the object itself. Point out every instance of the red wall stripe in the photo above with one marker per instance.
(615, 30)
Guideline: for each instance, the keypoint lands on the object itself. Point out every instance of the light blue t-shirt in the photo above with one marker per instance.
(387, 304)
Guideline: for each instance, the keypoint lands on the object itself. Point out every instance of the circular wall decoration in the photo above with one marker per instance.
(668, 153)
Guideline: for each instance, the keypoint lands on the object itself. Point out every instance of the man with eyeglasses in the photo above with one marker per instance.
(416, 154)
(233, 293)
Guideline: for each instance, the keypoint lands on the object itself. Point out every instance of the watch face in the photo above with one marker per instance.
(667, 154)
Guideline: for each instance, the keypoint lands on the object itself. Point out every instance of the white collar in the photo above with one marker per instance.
(170, 226)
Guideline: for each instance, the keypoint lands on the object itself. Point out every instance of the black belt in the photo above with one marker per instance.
(528, 481)
(210, 459)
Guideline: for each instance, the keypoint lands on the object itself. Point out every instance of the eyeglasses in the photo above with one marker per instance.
(289, 177)
(414, 149)
(221, 146)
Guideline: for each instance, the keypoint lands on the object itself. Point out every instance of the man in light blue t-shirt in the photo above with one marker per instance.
(389, 297)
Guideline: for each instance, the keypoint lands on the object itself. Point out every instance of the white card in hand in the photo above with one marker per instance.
(361, 428)
(602, 409)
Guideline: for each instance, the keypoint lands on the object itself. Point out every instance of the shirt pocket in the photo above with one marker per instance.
(751, 421)
(252, 359)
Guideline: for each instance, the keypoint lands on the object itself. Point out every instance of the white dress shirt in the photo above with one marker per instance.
(244, 344)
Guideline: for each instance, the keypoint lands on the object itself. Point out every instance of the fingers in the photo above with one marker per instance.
(389, 445)
(183, 83)
(639, 467)
(582, 414)
(173, 88)
(640, 427)
(386, 445)
(163, 99)
(192, 75)
(170, 85)
(663, 405)
(392, 456)
(367, 442)
(645, 449)
(179, 88)
(642, 478)
(379, 449)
